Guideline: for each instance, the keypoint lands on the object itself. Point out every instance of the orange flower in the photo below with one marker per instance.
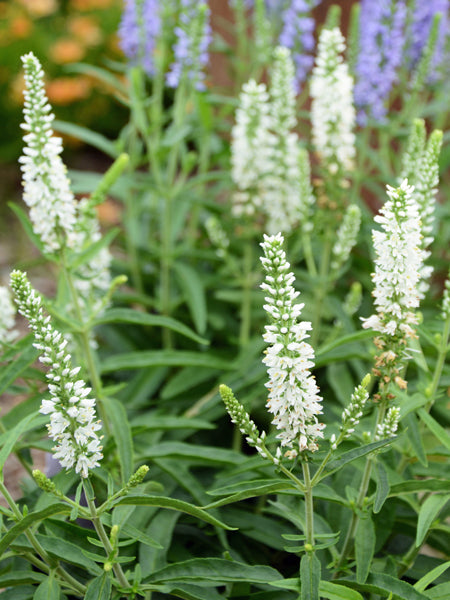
(85, 29)
(40, 8)
(66, 51)
(65, 90)
(92, 4)
(20, 27)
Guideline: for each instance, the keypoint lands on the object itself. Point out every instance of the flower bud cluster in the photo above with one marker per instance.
(217, 235)
(332, 110)
(346, 236)
(7, 313)
(240, 417)
(73, 424)
(352, 413)
(44, 175)
(293, 393)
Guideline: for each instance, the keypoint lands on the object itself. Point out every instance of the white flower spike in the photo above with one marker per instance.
(73, 423)
(293, 393)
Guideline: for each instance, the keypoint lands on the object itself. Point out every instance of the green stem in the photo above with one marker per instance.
(309, 256)
(322, 287)
(443, 348)
(309, 508)
(89, 492)
(51, 562)
(87, 350)
(361, 495)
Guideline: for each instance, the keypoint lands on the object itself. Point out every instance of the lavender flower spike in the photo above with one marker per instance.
(191, 48)
(46, 185)
(293, 393)
(298, 35)
(382, 40)
(73, 425)
(138, 30)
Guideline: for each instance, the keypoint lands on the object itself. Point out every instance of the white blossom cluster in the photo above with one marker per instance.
(251, 148)
(293, 393)
(269, 168)
(7, 313)
(332, 109)
(346, 236)
(44, 175)
(73, 424)
(398, 264)
(283, 196)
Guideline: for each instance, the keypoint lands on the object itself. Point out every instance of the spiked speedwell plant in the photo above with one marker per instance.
(328, 477)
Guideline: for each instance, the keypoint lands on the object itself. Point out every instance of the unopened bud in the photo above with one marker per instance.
(44, 482)
(138, 476)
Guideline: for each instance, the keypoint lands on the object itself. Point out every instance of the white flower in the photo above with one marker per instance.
(46, 186)
(332, 110)
(293, 393)
(398, 264)
(283, 201)
(7, 313)
(251, 144)
(73, 423)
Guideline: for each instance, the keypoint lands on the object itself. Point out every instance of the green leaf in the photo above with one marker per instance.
(425, 581)
(217, 570)
(98, 73)
(154, 422)
(335, 352)
(14, 578)
(122, 436)
(439, 592)
(99, 588)
(382, 487)
(415, 438)
(93, 249)
(86, 135)
(16, 367)
(427, 514)
(203, 455)
(163, 358)
(423, 485)
(434, 427)
(351, 455)
(28, 227)
(382, 584)
(127, 315)
(364, 547)
(68, 552)
(48, 590)
(194, 293)
(12, 437)
(334, 591)
(175, 134)
(173, 504)
(29, 520)
(249, 489)
(140, 536)
(310, 569)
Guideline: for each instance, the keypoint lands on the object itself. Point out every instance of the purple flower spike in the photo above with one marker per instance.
(298, 35)
(138, 30)
(382, 38)
(191, 48)
(422, 20)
